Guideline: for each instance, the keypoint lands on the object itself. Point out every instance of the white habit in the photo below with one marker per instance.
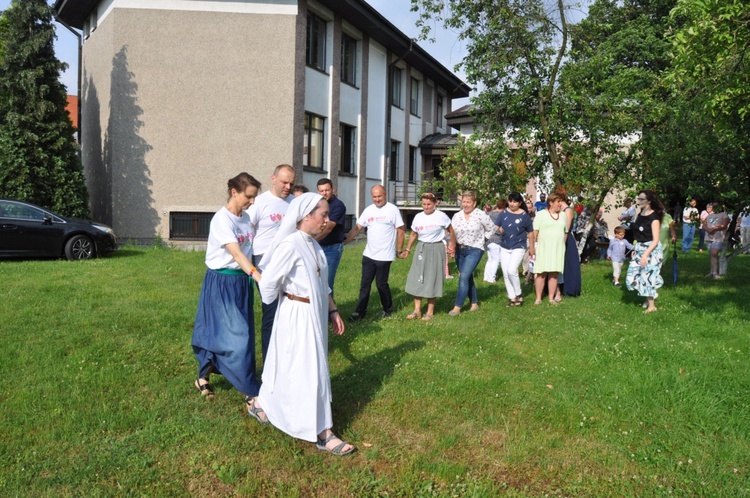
(296, 389)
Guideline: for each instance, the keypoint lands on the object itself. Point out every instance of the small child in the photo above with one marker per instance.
(618, 246)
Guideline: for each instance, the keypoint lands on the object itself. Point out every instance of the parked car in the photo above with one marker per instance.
(27, 230)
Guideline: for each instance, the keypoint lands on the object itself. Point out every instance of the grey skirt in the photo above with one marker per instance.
(427, 272)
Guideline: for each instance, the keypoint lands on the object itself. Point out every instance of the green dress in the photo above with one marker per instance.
(550, 243)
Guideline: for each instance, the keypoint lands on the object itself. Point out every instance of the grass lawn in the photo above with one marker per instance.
(588, 398)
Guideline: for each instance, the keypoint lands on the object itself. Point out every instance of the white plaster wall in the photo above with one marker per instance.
(376, 114)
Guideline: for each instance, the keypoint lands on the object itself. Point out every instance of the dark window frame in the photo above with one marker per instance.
(189, 225)
(309, 133)
(316, 42)
(396, 77)
(348, 136)
(395, 153)
(439, 111)
(414, 97)
(412, 164)
(348, 59)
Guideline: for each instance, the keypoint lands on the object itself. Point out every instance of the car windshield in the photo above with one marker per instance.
(18, 211)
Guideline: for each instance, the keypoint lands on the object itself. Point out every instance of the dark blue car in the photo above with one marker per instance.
(27, 230)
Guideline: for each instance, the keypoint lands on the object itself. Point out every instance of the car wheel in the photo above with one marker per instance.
(79, 247)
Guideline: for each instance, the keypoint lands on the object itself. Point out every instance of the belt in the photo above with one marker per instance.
(292, 297)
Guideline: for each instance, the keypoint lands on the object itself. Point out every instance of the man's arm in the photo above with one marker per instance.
(328, 229)
(400, 232)
(353, 233)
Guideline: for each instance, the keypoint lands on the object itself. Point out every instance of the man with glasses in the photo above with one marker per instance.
(385, 232)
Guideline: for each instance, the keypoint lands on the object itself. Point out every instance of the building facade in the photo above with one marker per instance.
(177, 96)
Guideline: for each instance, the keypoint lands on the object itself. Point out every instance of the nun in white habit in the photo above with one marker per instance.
(295, 395)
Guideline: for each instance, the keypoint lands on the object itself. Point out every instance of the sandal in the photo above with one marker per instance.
(510, 304)
(413, 316)
(205, 389)
(519, 299)
(337, 450)
(426, 317)
(254, 410)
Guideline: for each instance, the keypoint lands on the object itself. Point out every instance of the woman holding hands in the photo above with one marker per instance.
(516, 232)
(427, 275)
(471, 226)
(550, 233)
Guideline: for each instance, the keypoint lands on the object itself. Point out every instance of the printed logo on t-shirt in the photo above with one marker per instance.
(429, 228)
(245, 239)
(377, 219)
(276, 217)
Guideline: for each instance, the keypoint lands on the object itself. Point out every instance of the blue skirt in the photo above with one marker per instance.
(224, 332)
(571, 283)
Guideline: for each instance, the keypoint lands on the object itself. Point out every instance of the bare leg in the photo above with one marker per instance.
(552, 285)
(431, 305)
(539, 279)
(651, 304)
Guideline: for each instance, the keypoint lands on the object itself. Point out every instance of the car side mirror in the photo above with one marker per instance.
(47, 220)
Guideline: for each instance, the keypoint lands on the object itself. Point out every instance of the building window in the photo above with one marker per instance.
(348, 60)
(393, 173)
(396, 87)
(439, 118)
(316, 42)
(313, 146)
(413, 174)
(414, 107)
(348, 149)
(189, 226)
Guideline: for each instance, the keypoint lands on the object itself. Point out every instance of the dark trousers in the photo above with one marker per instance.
(269, 312)
(379, 271)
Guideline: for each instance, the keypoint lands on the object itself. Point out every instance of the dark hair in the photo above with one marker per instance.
(654, 202)
(501, 204)
(561, 193)
(240, 182)
(325, 181)
(300, 188)
(517, 197)
(429, 196)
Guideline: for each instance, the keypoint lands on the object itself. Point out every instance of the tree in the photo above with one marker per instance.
(39, 159)
(3, 34)
(711, 74)
(568, 99)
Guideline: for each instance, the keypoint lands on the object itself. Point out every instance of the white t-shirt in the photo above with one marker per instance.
(381, 224)
(225, 228)
(266, 215)
(430, 227)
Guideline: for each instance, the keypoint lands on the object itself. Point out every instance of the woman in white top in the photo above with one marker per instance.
(224, 333)
(426, 275)
(472, 226)
(296, 393)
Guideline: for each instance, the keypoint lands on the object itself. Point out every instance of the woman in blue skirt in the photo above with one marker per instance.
(224, 333)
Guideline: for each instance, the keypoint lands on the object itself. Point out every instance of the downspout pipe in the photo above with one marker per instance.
(389, 90)
(79, 37)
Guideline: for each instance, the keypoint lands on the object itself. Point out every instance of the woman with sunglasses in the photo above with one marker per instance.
(645, 266)
(427, 272)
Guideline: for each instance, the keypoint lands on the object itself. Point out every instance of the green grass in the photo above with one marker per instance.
(589, 398)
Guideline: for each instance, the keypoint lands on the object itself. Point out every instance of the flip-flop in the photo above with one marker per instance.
(336, 450)
(426, 317)
(413, 316)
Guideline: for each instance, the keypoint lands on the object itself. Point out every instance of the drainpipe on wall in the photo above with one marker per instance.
(78, 89)
(389, 90)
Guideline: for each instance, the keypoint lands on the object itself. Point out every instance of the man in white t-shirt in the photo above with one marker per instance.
(266, 215)
(385, 232)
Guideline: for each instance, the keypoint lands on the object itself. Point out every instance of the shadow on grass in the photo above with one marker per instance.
(356, 386)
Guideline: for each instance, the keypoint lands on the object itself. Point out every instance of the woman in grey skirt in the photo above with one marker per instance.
(427, 273)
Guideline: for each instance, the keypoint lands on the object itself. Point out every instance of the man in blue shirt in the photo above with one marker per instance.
(332, 238)
(541, 203)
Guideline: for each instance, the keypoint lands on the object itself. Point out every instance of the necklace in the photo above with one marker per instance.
(553, 217)
(315, 255)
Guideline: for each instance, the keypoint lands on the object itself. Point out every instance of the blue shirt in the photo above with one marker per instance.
(617, 249)
(516, 228)
(337, 214)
